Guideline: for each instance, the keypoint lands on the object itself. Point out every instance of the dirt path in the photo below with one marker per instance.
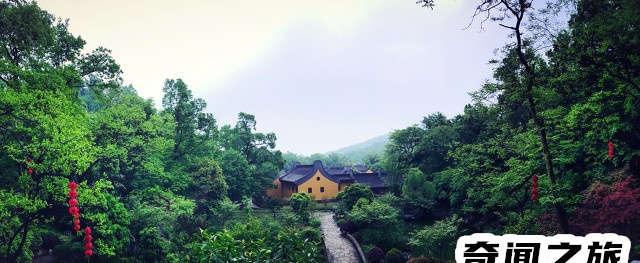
(339, 249)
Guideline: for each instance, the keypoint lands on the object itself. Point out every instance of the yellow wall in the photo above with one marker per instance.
(330, 187)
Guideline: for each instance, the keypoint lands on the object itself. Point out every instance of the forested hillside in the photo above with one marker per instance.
(149, 180)
(358, 152)
(550, 145)
(89, 170)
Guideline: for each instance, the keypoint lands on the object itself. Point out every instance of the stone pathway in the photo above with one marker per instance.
(339, 249)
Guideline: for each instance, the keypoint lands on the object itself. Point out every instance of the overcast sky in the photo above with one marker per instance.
(320, 74)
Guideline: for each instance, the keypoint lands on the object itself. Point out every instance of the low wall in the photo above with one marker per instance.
(355, 244)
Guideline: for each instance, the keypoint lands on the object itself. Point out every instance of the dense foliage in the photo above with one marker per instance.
(148, 179)
(261, 241)
(165, 185)
(548, 112)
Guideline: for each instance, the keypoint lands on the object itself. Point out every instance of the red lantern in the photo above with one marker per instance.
(29, 171)
(610, 150)
(73, 194)
(88, 238)
(76, 228)
(87, 230)
(534, 188)
(76, 221)
(73, 202)
(72, 185)
(88, 253)
(88, 245)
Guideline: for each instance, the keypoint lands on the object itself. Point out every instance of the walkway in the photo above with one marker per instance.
(339, 249)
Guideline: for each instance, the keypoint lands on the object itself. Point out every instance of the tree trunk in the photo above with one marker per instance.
(538, 121)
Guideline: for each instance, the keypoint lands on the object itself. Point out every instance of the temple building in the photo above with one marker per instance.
(324, 183)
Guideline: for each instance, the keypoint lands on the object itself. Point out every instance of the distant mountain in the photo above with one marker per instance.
(358, 151)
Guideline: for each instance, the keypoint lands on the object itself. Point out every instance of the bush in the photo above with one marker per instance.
(377, 223)
(289, 219)
(314, 222)
(384, 237)
(311, 233)
(346, 226)
(437, 240)
(301, 205)
(348, 198)
(394, 255)
(375, 255)
(259, 241)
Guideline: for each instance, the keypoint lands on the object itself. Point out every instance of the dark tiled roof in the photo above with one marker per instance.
(371, 180)
(360, 168)
(297, 173)
(338, 169)
(301, 173)
(344, 178)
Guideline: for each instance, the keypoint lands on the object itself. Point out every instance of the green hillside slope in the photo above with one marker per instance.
(357, 151)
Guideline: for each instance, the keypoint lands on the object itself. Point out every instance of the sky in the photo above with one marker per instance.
(321, 75)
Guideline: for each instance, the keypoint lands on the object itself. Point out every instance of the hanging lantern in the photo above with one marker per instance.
(74, 210)
(30, 171)
(610, 150)
(88, 245)
(73, 205)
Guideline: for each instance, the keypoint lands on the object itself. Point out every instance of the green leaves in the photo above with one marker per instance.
(253, 242)
(301, 204)
(436, 240)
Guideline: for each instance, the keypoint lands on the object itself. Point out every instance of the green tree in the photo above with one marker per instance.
(238, 173)
(350, 195)
(418, 190)
(437, 240)
(301, 204)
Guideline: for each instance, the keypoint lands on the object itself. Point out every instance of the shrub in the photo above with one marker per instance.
(390, 199)
(348, 198)
(377, 223)
(374, 213)
(394, 255)
(259, 241)
(311, 233)
(346, 226)
(314, 222)
(437, 240)
(609, 208)
(375, 255)
(301, 205)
